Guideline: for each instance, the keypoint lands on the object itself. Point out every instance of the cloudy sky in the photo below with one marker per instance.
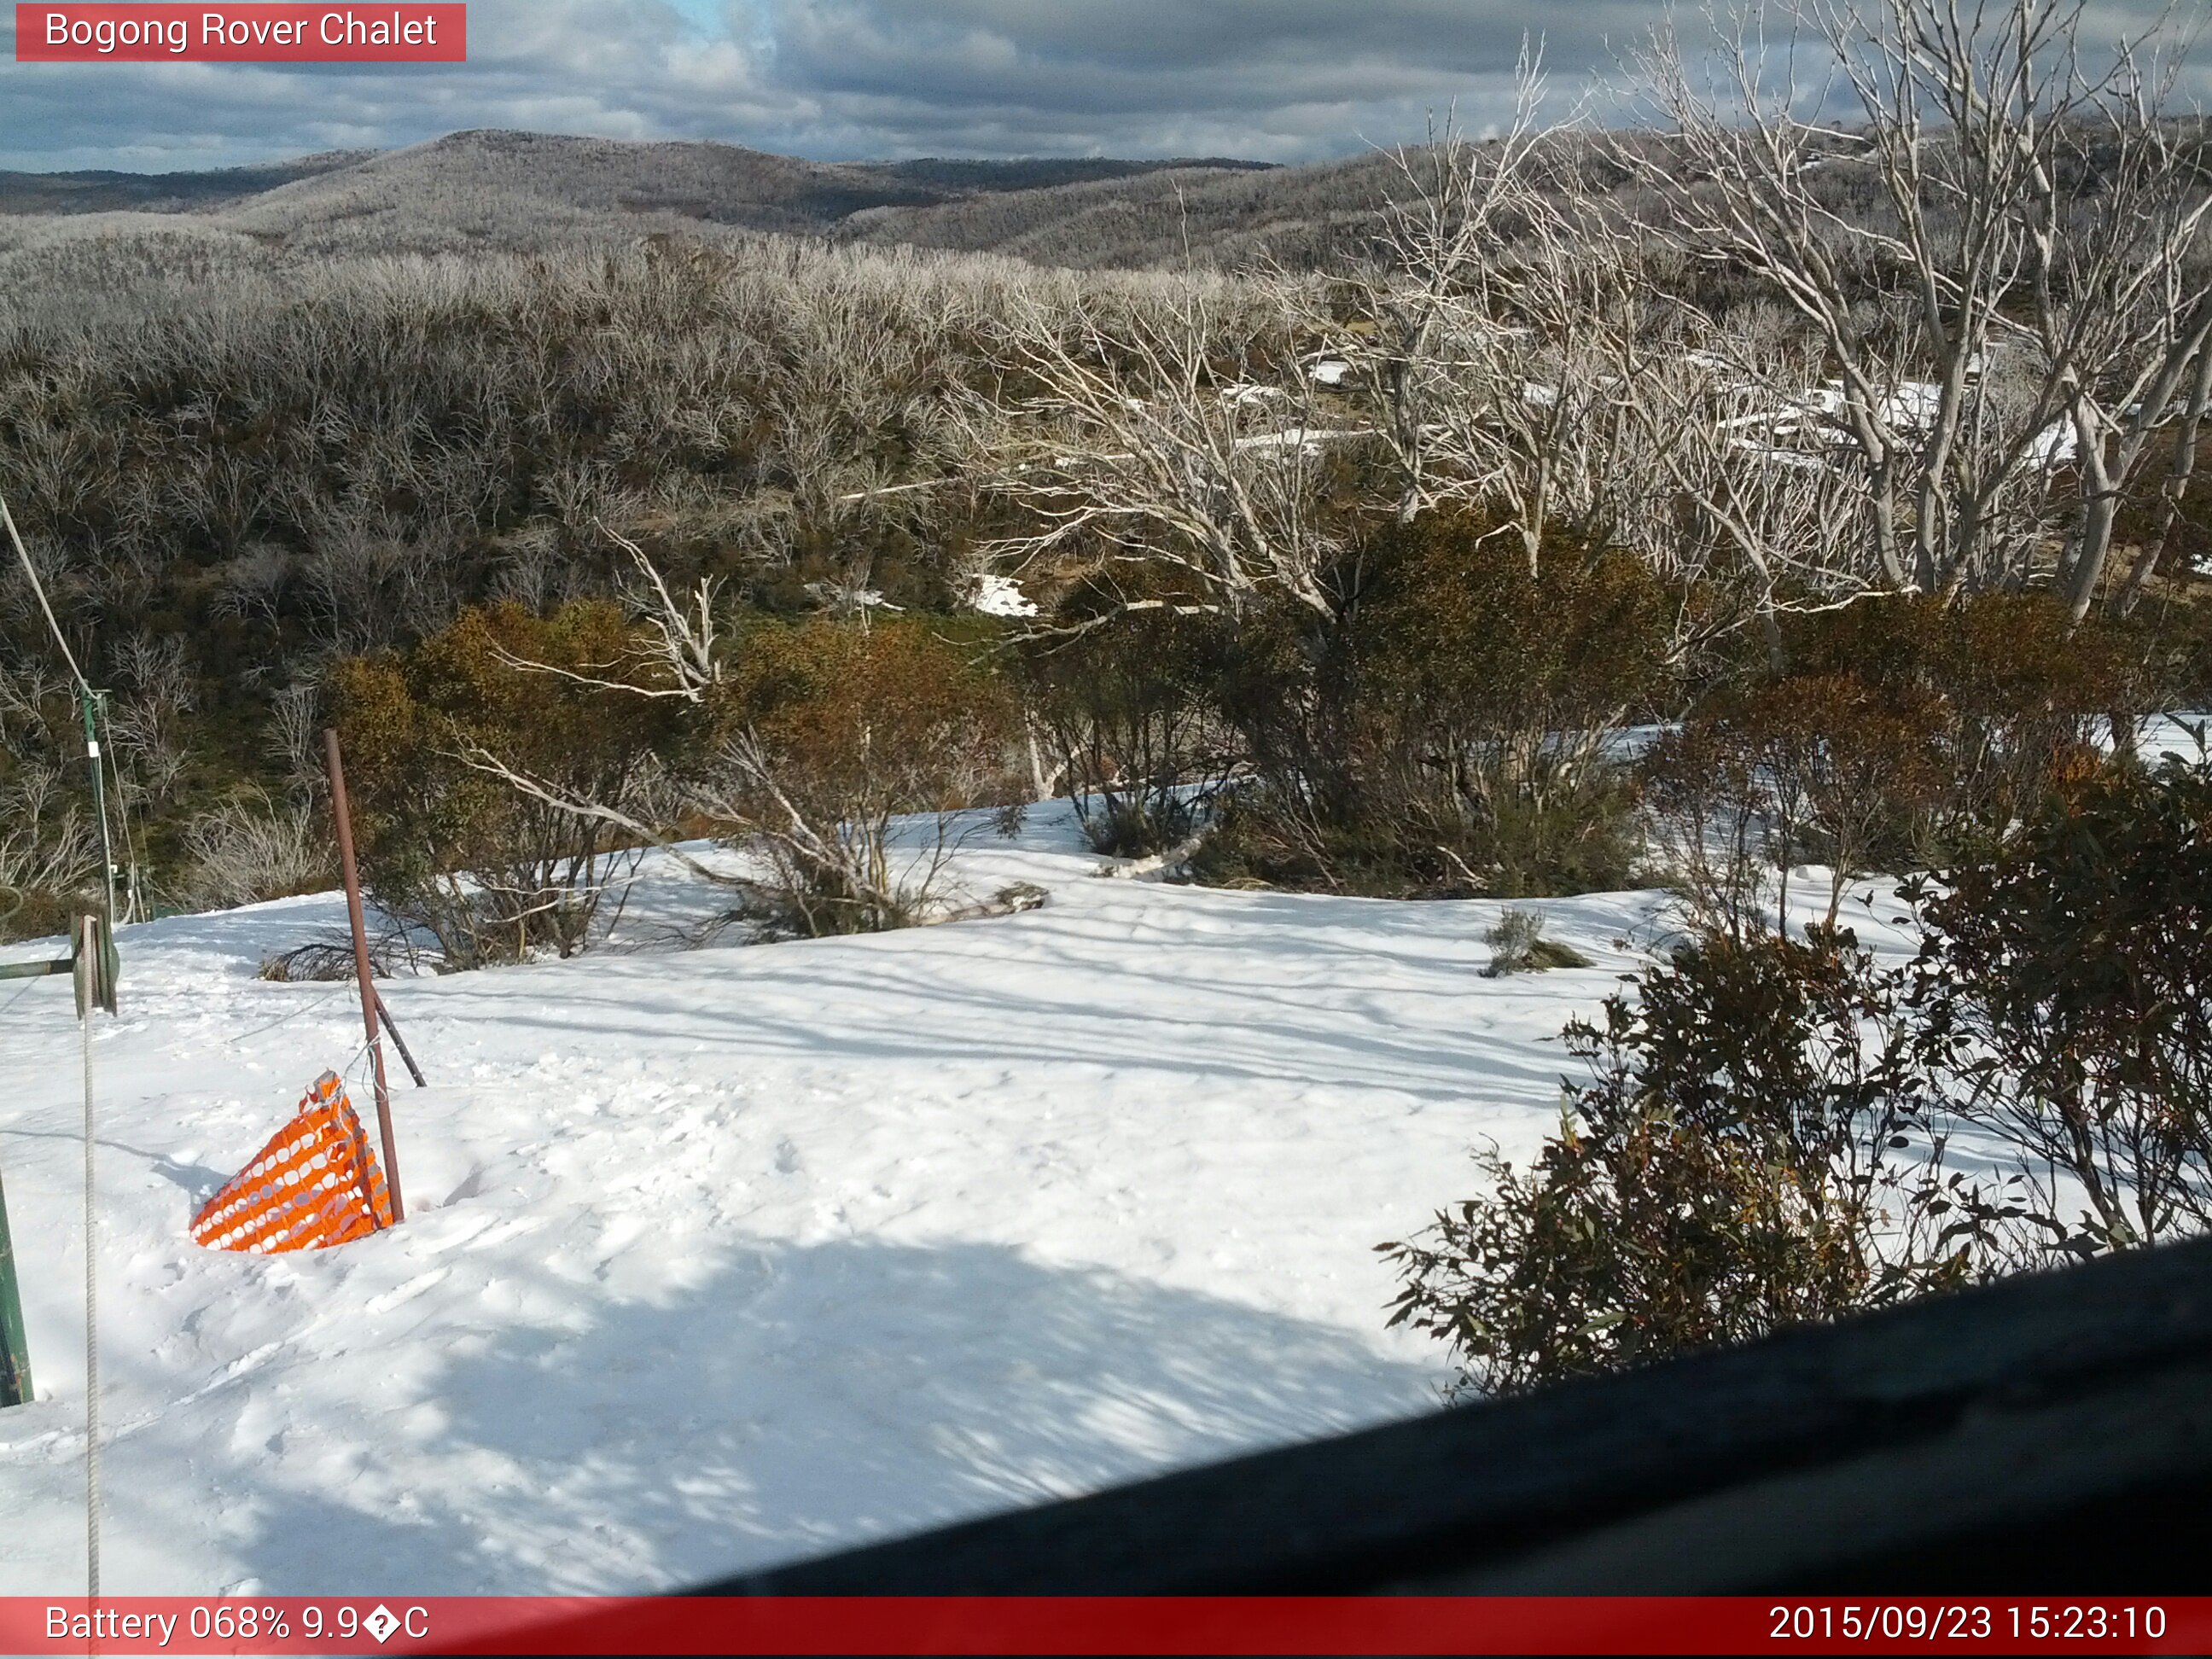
(1274, 80)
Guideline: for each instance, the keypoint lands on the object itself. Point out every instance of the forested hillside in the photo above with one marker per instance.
(1474, 449)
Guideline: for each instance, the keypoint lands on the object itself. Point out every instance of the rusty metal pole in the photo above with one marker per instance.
(343, 816)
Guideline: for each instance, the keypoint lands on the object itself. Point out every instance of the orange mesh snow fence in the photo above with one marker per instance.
(315, 1184)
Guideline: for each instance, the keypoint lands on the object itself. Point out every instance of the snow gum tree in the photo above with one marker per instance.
(1995, 230)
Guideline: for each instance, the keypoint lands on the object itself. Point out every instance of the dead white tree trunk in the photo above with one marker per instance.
(1162, 445)
(1989, 238)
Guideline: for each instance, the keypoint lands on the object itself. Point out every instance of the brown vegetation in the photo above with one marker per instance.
(489, 873)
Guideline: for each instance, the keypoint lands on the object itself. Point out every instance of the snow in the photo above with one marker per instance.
(845, 599)
(1250, 394)
(2055, 446)
(1911, 404)
(1299, 439)
(718, 1257)
(1001, 596)
(2181, 734)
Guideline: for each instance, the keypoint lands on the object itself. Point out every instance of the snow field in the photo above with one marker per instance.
(721, 1257)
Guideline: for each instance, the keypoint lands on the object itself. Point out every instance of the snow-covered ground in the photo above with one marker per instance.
(723, 1256)
(718, 1257)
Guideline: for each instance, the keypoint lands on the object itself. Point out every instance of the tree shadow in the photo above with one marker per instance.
(197, 1181)
(804, 1398)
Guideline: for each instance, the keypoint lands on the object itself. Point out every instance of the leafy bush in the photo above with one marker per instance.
(822, 735)
(1127, 707)
(2016, 695)
(1817, 767)
(1453, 736)
(1744, 1159)
(494, 872)
(1707, 805)
(1763, 1142)
(2065, 981)
(1904, 734)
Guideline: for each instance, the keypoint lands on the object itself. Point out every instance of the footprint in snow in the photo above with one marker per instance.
(407, 1293)
(458, 1237)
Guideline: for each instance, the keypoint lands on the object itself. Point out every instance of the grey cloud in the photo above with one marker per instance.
(1179, 38)
(1281, 80)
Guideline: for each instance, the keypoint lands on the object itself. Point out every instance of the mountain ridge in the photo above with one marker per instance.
(502, 188)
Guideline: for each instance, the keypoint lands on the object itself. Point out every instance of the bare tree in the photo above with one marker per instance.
(295, 722)
(47, 847)
(1996, 245)
(150, 719)
(1163, 432)
(1549, 355)
(1422, 309)
(1484, 337)
(1731, 481)
(256, 847)
(820, 811)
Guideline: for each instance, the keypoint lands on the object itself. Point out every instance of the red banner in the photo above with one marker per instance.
(1104, 1625)
(64, 33)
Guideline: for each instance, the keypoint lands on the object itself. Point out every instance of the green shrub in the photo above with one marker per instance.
(1452, 735)
(1762, 1141)
(1128, 710)
(2015, 692)
(1743, 1158)
(827, 730)
(1905, 732)
(2066, 982)
(1816, 768)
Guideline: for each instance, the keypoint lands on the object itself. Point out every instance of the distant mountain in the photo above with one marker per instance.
(159, 192)
(521, 189)
(958, 178)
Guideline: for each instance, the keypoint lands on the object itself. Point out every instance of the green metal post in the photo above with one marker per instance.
(99, 804)
(14, 1351)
